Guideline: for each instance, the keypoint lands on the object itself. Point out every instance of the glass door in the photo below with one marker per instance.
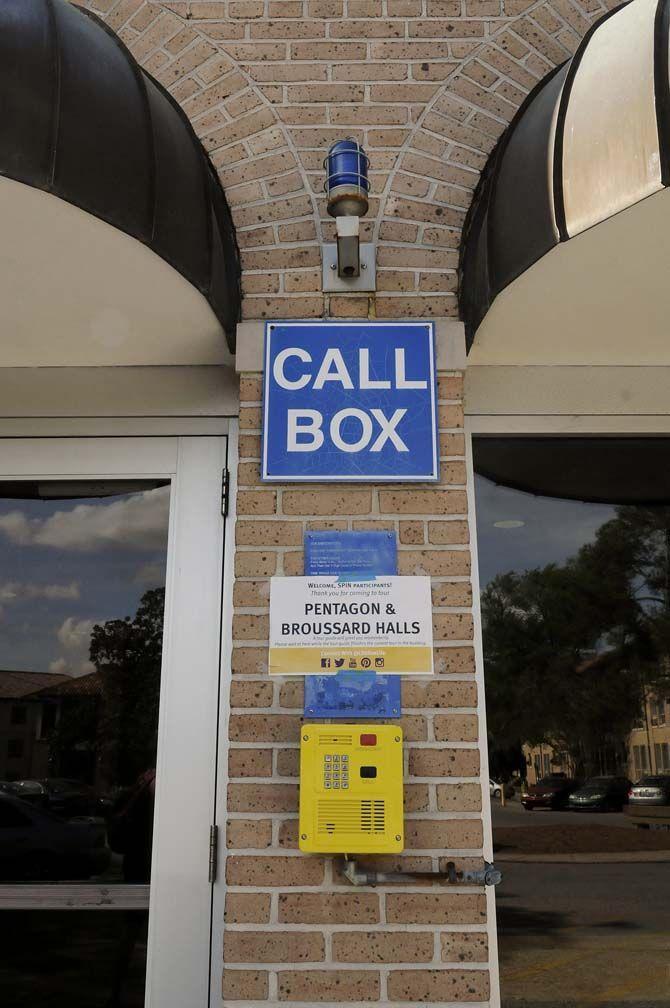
(574, 567)
(108, 685)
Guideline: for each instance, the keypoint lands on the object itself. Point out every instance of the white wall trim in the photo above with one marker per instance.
(570, 426)
(95, 427)
(497, 390)
(78, 392)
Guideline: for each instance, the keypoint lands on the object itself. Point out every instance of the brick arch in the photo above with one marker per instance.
(427, 85)
(431, 188)
(251, 148)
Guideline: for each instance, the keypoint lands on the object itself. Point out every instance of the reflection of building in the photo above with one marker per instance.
(543, 759)
(646, 750)
(32, 704)
(27, 716)
(649, 741)
(76, 702)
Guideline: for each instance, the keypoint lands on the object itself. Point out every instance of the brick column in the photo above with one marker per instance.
(296, 931)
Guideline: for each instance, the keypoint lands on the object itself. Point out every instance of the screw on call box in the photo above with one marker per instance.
(350, 401)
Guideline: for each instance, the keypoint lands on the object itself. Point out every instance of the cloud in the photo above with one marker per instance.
(16, 527)
(137, 522)
(75, 637)
(74, 634)
(63, 667)
(14, 591)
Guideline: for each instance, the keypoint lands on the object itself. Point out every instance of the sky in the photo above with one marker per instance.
(66, 565)
(551, 531)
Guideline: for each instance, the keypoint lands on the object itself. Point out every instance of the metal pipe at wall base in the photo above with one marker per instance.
(489, 875)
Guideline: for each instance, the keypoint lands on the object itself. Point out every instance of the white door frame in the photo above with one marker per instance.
(178, 967)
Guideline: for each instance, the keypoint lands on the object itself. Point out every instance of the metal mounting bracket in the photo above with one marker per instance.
(365, 282)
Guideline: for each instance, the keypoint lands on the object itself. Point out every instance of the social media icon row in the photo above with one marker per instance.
(353, 663)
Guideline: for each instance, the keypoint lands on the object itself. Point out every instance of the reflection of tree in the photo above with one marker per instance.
(115, 724)
(127, 656)
(572, 649)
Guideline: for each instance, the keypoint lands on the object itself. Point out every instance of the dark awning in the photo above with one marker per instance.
(81, 120)
(607, 470)
(592, 140)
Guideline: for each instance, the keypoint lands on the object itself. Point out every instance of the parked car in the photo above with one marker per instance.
(495, 789)
(653, 789)
(63, 797)
(37, 845)
(550, 792)
(600, 794)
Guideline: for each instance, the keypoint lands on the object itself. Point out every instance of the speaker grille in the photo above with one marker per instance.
(350, 816)
(334, 741)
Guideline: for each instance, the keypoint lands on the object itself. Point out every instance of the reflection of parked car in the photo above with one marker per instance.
(66, 798)
(495, 789)
(34, 844)
(600, 794)
(651, 790)
(551, 792)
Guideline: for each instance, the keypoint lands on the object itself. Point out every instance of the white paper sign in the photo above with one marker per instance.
(325, 625)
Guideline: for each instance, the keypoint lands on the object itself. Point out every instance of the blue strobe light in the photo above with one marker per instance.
(347, 183)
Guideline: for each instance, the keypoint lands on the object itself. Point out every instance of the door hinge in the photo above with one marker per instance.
(225, 492)
(213, 852)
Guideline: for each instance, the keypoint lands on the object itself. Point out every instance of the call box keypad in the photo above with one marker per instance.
(336, 771)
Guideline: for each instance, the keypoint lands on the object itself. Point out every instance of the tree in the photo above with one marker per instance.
(573, 649)
(127, 655)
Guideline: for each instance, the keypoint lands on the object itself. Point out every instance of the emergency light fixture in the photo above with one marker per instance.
(351, 789)
(347, 187)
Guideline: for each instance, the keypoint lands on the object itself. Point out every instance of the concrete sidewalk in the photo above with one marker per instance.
(609, 857)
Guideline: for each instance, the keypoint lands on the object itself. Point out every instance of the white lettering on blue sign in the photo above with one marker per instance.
(350, 401)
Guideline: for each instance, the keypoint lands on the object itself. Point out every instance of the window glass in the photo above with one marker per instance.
(82, 593)
(575, 605)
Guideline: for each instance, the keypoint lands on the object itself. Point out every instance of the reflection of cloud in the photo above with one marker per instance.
(13, 591)
(150, 574)
(73, 633)
(553, 529)
(16, 527)
(63, 667)
(138, 521)
(75, 637)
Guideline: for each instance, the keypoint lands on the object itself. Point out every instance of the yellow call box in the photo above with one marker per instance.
(351, 789)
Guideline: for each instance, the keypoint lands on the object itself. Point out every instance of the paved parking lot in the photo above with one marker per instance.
(514, 814)
(583, 934)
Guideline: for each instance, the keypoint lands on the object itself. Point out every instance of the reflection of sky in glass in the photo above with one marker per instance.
(552, 529)
(66, 565)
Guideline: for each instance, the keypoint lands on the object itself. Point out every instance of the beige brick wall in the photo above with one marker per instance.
(427, 86)
(292, 922)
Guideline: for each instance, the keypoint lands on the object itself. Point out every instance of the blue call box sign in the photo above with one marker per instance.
(350, 401)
